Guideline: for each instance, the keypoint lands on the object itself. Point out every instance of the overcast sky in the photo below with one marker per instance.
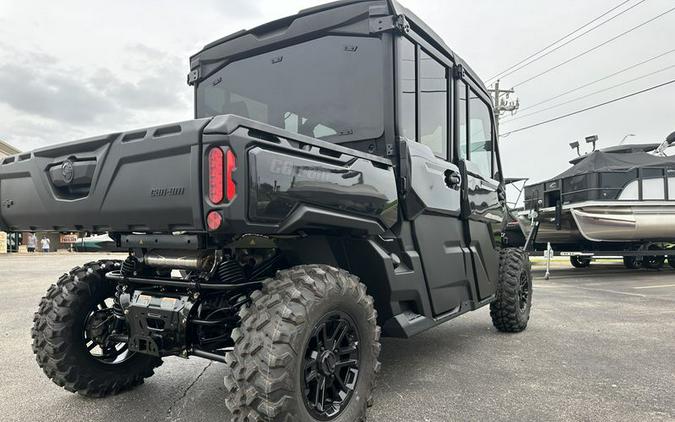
(74, 68)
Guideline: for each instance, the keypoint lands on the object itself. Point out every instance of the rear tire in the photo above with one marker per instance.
(60, 344)
(580, 261)
(632, 262)
(510, 311)
(279, 358)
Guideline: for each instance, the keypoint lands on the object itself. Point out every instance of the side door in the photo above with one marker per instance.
(482, 205)
(432, 201)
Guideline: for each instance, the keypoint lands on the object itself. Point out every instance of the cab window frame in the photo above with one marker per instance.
(474, 89)
(422, 45)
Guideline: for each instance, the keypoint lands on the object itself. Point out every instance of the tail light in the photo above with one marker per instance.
(216, 175)
(231, 163)
(221, 183)
(222, 164)
(214, 220)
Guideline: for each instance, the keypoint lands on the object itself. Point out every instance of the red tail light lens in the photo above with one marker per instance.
(231, 164)
(214, 220)
(216, 175)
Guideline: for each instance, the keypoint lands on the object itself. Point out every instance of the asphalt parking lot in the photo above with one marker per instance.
(600, 346)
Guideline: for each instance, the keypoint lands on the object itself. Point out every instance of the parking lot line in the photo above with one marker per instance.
(654, 287)
(611, 291)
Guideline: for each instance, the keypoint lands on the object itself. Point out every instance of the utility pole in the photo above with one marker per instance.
(502, 103)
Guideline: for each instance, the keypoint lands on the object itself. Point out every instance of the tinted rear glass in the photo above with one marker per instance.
(330, 88)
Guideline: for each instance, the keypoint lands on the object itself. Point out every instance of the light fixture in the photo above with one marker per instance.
(592, 140)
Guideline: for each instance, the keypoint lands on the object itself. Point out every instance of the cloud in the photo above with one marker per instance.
(55, 95)
(233, 9)
(156, 91)
(39, 85)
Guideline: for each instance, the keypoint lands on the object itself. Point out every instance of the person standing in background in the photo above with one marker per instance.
(31, 244)
(44, 244)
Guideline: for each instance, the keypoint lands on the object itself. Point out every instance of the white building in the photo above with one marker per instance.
(5, 151)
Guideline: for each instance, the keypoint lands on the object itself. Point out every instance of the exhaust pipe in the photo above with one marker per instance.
(179, 260)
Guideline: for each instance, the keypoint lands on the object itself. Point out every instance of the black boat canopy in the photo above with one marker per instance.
(611, 161)
(603, 174)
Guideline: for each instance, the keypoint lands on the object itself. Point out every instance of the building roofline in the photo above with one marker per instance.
(8, 148)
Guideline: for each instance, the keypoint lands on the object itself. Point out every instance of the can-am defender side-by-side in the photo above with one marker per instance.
(341, 178)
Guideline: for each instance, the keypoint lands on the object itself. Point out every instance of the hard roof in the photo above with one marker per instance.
(393, 7)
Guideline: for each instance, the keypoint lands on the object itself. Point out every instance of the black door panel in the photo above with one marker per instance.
(433, 204)
(486, 258)
(482, 210)
(429, 188)
(444, 256)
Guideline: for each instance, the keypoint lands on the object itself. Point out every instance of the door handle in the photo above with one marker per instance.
(452, 179)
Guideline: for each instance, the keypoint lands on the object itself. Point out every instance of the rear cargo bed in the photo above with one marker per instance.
(144, 180)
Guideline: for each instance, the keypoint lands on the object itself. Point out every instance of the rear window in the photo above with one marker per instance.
(330, 88)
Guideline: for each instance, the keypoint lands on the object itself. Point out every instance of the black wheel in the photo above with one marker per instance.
(580, 261)
(510, 311)
(653, 262)
(70, 336)
(306, 350)
(671, 260)
(632, 262)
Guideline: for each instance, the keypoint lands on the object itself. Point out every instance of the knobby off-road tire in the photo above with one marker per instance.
(265, 379)
(510, 311)
(58, 336)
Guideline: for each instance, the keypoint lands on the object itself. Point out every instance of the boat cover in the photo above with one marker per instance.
(606, 161)
(602, 176)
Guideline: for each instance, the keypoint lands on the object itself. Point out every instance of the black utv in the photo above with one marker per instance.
(341, 179)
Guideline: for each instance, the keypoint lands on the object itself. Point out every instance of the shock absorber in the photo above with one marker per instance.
(129, 268)
(117, 308)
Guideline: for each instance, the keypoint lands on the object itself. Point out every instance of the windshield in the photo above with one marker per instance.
(330, 88)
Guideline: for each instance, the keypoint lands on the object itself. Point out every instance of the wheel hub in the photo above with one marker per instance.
(328, 361)
(98, 326)
(331, 366)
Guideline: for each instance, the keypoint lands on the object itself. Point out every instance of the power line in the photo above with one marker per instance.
(589, 108)
(616, 37)
(511, 69)
(598, 80)
(590, 94)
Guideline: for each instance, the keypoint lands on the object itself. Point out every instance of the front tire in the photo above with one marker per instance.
(309, 328)
(510, 311)
(63, 337)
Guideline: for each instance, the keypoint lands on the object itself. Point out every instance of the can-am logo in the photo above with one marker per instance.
(289, 168)
(67, 171)
(162, 192)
